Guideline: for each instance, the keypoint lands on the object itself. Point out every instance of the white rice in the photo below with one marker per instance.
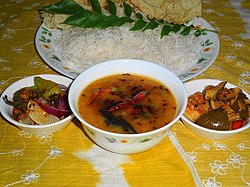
(82, 48)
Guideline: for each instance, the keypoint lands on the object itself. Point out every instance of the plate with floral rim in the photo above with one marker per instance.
(47, 48)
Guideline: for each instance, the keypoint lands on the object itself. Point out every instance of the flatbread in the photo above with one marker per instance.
(176, 11)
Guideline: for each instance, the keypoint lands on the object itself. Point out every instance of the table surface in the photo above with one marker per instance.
(181, 159)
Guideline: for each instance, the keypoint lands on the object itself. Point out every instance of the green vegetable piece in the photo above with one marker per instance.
(63, 7)
(139, 24)
(165, 30)
(112, 7)
(19, 102)
(54, 90)
(151, 25)
(214, 119)
(96, 6)
(127, 9)
(43, 84)
(47, 87)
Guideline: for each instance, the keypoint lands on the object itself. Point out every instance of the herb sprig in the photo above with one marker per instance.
(81, 17)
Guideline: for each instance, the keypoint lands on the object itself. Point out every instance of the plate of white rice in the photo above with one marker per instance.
(73, 50)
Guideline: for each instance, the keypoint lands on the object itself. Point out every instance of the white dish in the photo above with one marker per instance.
(127, 143)
(49, 52)
(6, 109)
(199, 85)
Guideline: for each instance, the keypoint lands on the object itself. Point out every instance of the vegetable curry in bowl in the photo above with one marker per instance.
(44, 102)
(217, 107)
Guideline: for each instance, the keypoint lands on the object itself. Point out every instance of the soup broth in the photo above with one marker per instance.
(127, 103)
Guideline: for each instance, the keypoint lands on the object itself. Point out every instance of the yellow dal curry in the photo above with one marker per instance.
(127, 103)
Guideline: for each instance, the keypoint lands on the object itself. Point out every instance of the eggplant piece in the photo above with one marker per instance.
(227, 94)
(240, 106)
(118, 121)
(231, 113)
(211, 92)
(215, 104)
(215, 119)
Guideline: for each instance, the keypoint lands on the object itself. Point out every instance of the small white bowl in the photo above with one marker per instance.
(199, 85)
(6, 109)
(127, 143)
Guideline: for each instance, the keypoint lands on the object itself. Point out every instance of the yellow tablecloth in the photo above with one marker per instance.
(69, 158)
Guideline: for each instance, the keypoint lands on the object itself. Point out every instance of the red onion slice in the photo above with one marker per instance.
(54, 111)
(63, 103)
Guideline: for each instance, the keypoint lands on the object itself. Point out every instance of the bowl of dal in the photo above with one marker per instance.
(127, 106)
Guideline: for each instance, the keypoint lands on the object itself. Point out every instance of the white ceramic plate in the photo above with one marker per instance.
(48, 50)
(199, 85)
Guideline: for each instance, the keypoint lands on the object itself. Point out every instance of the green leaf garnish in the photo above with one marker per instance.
(151, 25)
(112, 7)
(96, 6)
(139, 16)
(175, 28)
(63, 7)
(185, 31)
(127, 9)
(81, 17)
(165, 30)
(122, 20)
(139, 24)
(92, 21)
(107, 21)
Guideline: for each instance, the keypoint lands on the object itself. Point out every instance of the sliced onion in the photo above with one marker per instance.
(63, 102)
(54, 111)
